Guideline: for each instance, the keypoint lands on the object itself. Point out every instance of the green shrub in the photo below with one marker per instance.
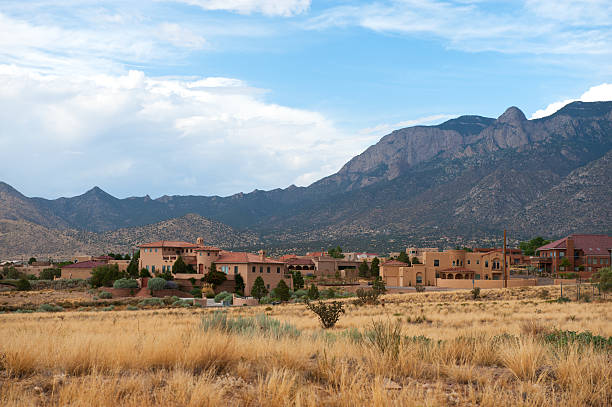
(105, 275)
(420, 288)
(23, 285)
(62, 284)
(132, 308)
(300, 293)
(151, 301)
(105, 295)
(475, 293)
(50, 308)
(366, 297)
(266, 300)
(259, 325)
(125, 283)
(50, 273)
(561, 338)
(328, 313)
(156, 284)
(223, 295)
(282, 291)
(313, 292)
(182, 303)
(385, 336)
(196, 292)
(379, 285)
(109, 308)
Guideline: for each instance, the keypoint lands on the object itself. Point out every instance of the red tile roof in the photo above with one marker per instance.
(243, 257)
(457, 269)
(294, 261)
(86, 264)
(395, 263)
(589, 244)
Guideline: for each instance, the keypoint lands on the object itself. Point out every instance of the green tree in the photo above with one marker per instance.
(313, 292)
(214, 277)
(375, 267)
(415, 260)
(379, 285)
(403, 257)
(364, 270)
(239, 285)
(282, 291)
(529, 248)
(132, 269)
(259, 289)
(106, 275)
(335, 252)
(179, 266)
(32, 260)
(23, 285)
(298, 280)
(604, 278)
(126, 257)
(50, 273)
(144, 273)
(565, 263)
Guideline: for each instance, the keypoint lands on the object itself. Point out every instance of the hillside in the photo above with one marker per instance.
(465, 179)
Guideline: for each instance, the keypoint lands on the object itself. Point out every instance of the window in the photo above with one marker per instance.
(453, 262)
(477, 261)
(561, 254)
(419, 279)
(268, 286)
(253, 269)
(163, 269)
(468, 262)
(235, 269)
(486, 263)
(268, 269)
(147, 268)
(278, 270)
(261, 269)
(477, 277)
(153, 269)
(208, 253)
(436, 263)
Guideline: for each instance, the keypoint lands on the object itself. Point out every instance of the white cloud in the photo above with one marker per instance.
(540, 26)
(285, 8)
(386, 128)
(599, 93)
(137, 134)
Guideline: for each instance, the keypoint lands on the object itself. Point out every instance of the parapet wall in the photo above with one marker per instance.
(447, 283)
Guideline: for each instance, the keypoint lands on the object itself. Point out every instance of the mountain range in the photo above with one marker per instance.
(459, 182)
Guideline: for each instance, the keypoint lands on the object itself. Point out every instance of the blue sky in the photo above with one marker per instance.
(223, 96)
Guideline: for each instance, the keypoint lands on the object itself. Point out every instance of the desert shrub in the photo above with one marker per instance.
(151, 301)
(475, 293)
(125, 283)
(105, 275)
(23, 285)
(419, 319)
(132, 308)
(366, 297)
(222, 296)
(196, 292)
(561, 338)
(313, 292)
(379, 285)
(301, 293)
(568, 276)
(50, 308)
(95, 298)
(155, 284)
(328, 313)
(544, 294)
(329, 293)
(266, 300)
(171, 285)
(109, 308)
(420, 288)
(23, 311)
(385, 336)
(105, 295)
(260, 324)
(50, 273)
(182, 303)
(62, 284)
(170, 300)
(209, 293)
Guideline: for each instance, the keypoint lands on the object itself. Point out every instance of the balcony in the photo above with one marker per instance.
(541, 259)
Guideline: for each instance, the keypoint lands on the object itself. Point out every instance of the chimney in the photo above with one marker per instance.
(569, 245)
(262, 255)
(200, 241)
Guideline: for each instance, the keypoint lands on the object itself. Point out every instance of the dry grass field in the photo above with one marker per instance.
(425, 349)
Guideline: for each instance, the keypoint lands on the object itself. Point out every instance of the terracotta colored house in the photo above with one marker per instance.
(159, 257)
(585, 254)
(81, 269)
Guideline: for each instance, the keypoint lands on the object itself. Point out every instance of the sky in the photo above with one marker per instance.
(216, 97)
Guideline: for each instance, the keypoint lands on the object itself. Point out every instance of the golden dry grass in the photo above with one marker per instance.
(165, 357)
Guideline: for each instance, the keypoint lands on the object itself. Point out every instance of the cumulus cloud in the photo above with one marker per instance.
(285, 8)
(134, 133)
(599, 93)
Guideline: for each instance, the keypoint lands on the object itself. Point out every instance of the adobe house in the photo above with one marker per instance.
(159, 257)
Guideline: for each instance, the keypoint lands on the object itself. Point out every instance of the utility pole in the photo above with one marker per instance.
(505, 268)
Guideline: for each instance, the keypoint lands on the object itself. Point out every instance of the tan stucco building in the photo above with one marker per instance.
(159, 257)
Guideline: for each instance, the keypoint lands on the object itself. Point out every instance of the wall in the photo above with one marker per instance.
(522, 282)
(271, 279)
(73, 272)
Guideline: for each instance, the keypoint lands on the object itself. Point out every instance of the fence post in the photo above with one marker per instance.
(561, 289)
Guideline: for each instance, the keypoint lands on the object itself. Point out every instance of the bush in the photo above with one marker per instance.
(282, 291)
(151, 301)
(196, 292)
(379, 285)
(544, 294)
(564, 338)
(209, 293)
(301, 293)
(266, 300)
(223, 295)
(420, 288)
(50, 274)
(105, 275)
(313, 292)
(155, 284)
(50, 308)
(259, 325)
(63, 284)
(475, 293)
(109, 308)
(182, 303)
(105, 295)
(366, 297)
(385, 336)
(328, 314)
(132, 308)
(23, 285)
(125, 283)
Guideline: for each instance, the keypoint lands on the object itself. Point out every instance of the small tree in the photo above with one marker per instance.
(379, 285)
(375, 267)
(105, 275)
(328, 313)
(475, 293)
(156, 284)
(403, 257)
(239, 284)
(335, 252)
(132, 269)
(298, 280)
(565, 263)
(259, 290)
(214, 277)
(415, 260)
(282, 291)
(32, 260)
(179, 266)
(50, 274)
(364, 270)
(604, 277)
(144, 273)
(313, 292)
(23, 285)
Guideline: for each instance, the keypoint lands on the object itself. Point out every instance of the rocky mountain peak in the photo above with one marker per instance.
(513, 115)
